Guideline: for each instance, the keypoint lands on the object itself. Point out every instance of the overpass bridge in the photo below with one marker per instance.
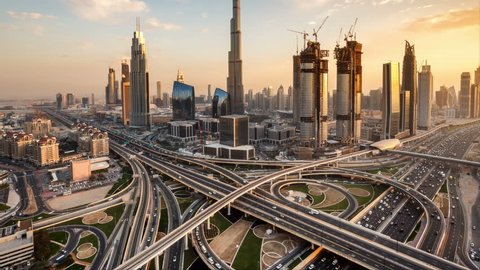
(437, 158)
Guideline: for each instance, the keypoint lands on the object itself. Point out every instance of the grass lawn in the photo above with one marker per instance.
(190, 255)
(248, 256)
(60, 237)
(75, 267)
(115, 211)
(338, 207)
(367, 187)
(184, 203)
(163, 225)
(304, 188)
(91, 238)
(414, 233)
(122, 182)
(444, 187)
(220, 221)
(54, 249)
(4, 207)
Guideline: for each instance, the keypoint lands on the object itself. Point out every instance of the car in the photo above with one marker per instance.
(174, 258)
(277, 219)
(311, 266)
(279, 266)
(323, 259)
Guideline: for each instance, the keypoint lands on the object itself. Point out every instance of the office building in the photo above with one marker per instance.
(93, 99)
(235, 74)
(476, 79)
(70, 99)
(256, 133)
(110, 88)
(349, 92)
(183, 102)
(166, 100)
(281, 98)
(464, 95)
(376, 99)
(45, 151)
(159, 89)
(59, 101)
(85, 102)
(17, 245)
(390, 100)
(209, 94)
(139, 89)
(474, 101)
(425, 88)
(313, 95)
(38, 127)
(280, 134)
(19, 144)
(441, 97)
(126, 103)
(234, 130)
(80, 170)
(289, 100)
(183, 130)
(408, 100)
(221, 103)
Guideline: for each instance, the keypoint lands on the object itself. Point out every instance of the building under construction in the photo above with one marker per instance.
(349, 91)
(313, 95)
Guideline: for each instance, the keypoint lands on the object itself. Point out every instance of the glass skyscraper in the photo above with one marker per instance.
(221, 105)
(183, 101)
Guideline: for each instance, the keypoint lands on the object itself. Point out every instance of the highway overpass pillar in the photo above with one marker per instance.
(228, 209)
(186, 241)
(299, 175)
(157, 265)
(208, 223)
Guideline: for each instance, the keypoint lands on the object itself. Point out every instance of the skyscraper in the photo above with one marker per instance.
(349, 91)
(474, 101)
(390, 100)
(209, 95)
(159, 89)
(93, 99)
(296, 88)
(313, 95)
(280, 98)
(235, 74)
(70, 99)
(409, 91)
(425, 88)
(476, 79)
(183, 102)
(126, 93)
(110, 88)
(464, 95)
(139, 89)
(221, 105)
(59, 101)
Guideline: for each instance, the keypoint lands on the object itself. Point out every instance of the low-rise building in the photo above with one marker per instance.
(244, 152)
(16, 242)
(183, 130)
(80, 170)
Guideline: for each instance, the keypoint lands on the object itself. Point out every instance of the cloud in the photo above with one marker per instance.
(106, 10)
(383, 2)
(312, 22)
(310, 3)
(28, 15)
(154, 23)
(205, 30)
(442, 21)
(86, 45)
(37, 30)
(204, 15)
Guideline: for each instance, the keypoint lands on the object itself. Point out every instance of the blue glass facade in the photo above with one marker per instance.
(183, 102)
(220, 103)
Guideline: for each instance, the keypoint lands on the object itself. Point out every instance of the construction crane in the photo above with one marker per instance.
(351, 31)
(305, 34)
(339, 36)
(315, 32)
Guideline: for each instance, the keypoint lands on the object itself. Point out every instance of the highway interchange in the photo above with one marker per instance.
(377, 244)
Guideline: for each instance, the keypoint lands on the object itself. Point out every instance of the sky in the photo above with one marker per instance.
(67, 46)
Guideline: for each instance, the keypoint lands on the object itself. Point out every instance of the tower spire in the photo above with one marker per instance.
(138, 24)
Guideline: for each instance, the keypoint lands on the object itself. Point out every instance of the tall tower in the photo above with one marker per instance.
(140, 107)
(425, 90)
(110, 88)
(464, 95)
(349, 91)
(390, 100)
(313, 95)
(234, 79)
(409, 90)
(296, 89)
(126, 93)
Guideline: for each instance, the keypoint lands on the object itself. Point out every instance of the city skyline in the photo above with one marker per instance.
(41, 44)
